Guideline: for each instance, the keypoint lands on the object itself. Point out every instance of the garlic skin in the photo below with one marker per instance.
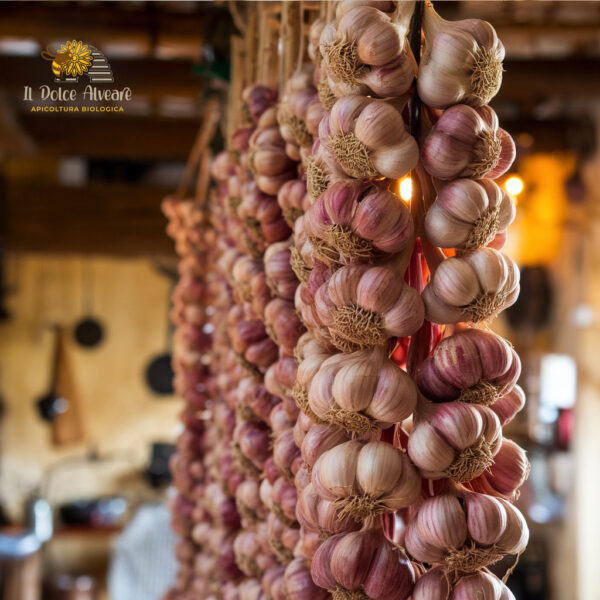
(362, 391)
(356, 223)
(363, 306)
(470, 214)
(461, 64)
(472, 287)
(467, 142)
(473, 365)
(365, 479)
(363, 565)
(434, 585)
(362, 40)
(299, 584)
(466, 537)
(369, 139)
(509, 405)
(454, 440)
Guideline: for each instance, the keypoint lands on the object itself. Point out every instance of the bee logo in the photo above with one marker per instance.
(71, 60)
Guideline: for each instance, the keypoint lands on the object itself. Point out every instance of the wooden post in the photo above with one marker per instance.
(291, 35)
(236, 84)
(268, 42)
(251, 43)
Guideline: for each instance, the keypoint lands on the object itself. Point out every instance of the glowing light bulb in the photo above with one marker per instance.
(514, 185)
(406, 188)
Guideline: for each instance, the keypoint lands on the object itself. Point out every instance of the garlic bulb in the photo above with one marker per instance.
(222, 166)
(326, 96)
(253, 348)
(461, 64)
(279, 276)
(251, 554)
(506, 475)
(254, 400)
(251, 446)
(267, 157)
(273, 583)
(293, 200)
(369, 140)
(299, 584)
(257, 99)
(364, 51)
(314, 35)
(244, 269)
(314, 355)
(282, 538)
(362, 391)
(292, 112)
(467, 142)
(435, 585)
(363, 565)
(454, 440)
(366, 479)
(470, 366)
(320, 438)
(283, 324)
(469, 214)
(386, 6)
(363, 306)
(301, 253)
(318, 515)
(472, 287)
(286, 455)
(468, 536)
(321, 168)
(357, 223)
(248, 502)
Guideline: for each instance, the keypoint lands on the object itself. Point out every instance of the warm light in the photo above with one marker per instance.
(514, 185)
(406, 188)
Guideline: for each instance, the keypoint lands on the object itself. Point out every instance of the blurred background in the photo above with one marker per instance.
(87, 419)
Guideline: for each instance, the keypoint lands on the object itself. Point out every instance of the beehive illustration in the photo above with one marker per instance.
(98, 72)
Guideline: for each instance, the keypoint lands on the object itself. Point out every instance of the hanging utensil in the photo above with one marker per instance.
(159, 372)
(88, 331)
(60, 405)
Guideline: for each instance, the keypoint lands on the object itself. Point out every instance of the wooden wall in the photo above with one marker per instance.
(119, 413)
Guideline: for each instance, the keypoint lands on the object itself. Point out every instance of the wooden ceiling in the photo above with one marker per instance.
(162, 51)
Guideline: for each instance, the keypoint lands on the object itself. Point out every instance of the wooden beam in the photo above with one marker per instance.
(97, 22)
(111, 135)
(96, 219)
(535, 80)
(524, 80)
(145, 76)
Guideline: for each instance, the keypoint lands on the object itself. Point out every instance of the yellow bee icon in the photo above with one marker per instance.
(72, 59)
